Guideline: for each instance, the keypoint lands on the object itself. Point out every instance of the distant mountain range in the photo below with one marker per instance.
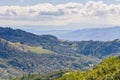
(101, 34)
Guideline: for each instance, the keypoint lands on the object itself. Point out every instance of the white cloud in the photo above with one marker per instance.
(61, 14)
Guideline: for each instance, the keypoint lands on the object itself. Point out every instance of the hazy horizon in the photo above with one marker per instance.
(59, 15)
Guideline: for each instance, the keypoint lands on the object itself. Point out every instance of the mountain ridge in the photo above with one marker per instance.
(96, 34)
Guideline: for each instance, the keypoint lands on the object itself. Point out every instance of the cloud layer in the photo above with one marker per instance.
(61, 14)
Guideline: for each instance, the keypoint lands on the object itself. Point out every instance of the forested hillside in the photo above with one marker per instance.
(18, 59)
(108, 69)
(98, 49)
(23, 52)
(32, 76)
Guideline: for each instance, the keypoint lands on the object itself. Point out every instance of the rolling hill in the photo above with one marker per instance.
(18, 59)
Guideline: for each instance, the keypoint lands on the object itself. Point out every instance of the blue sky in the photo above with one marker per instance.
(60, 14)
(33, 2)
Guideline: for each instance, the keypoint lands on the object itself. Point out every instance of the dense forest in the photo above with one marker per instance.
(108, 69)
(23, 52)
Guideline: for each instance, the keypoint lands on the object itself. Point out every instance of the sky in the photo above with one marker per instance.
(33, 2)
(60, 14)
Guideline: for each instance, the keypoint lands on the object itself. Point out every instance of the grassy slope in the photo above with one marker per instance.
(26, 48)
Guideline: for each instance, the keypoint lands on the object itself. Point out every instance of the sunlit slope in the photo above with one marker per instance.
(108, 69)
(27, 48)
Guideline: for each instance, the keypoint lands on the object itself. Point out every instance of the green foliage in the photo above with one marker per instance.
(108, 69)
(50, 76)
